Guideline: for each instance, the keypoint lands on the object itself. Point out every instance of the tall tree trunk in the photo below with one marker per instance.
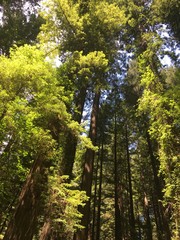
(157, 216)
(46, 230)
(132, 219)
(165, 231)
(99, 192)
(88, 171)
(24, 222)
(118, 228)
(71, 140)
(148, 220)
(95, 202)
(139, 226)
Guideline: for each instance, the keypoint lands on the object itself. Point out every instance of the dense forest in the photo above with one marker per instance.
(90, 119)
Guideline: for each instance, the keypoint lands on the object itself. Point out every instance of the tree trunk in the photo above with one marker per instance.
(132, 219)
(88, 171)
(71, 140)
(157, 216)
(46, 230)
(139, 228)
(95, 202)
(118, 228)
(148, 220)
(99, 193)
(24, 222)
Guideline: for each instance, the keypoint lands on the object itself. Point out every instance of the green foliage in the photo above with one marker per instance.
(20, 24)
(95, 29)
(30, 103)
(81, 70)
(63, 204)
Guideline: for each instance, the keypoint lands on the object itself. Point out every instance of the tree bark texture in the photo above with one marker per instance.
(94, 220)
(100, 193)
(24, 222)
(118, 227)
(88, 171)
(148, 220)
(46, 231)
(71, 140)
(132, 219)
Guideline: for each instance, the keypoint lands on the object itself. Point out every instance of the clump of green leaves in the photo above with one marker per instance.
(64, 200)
